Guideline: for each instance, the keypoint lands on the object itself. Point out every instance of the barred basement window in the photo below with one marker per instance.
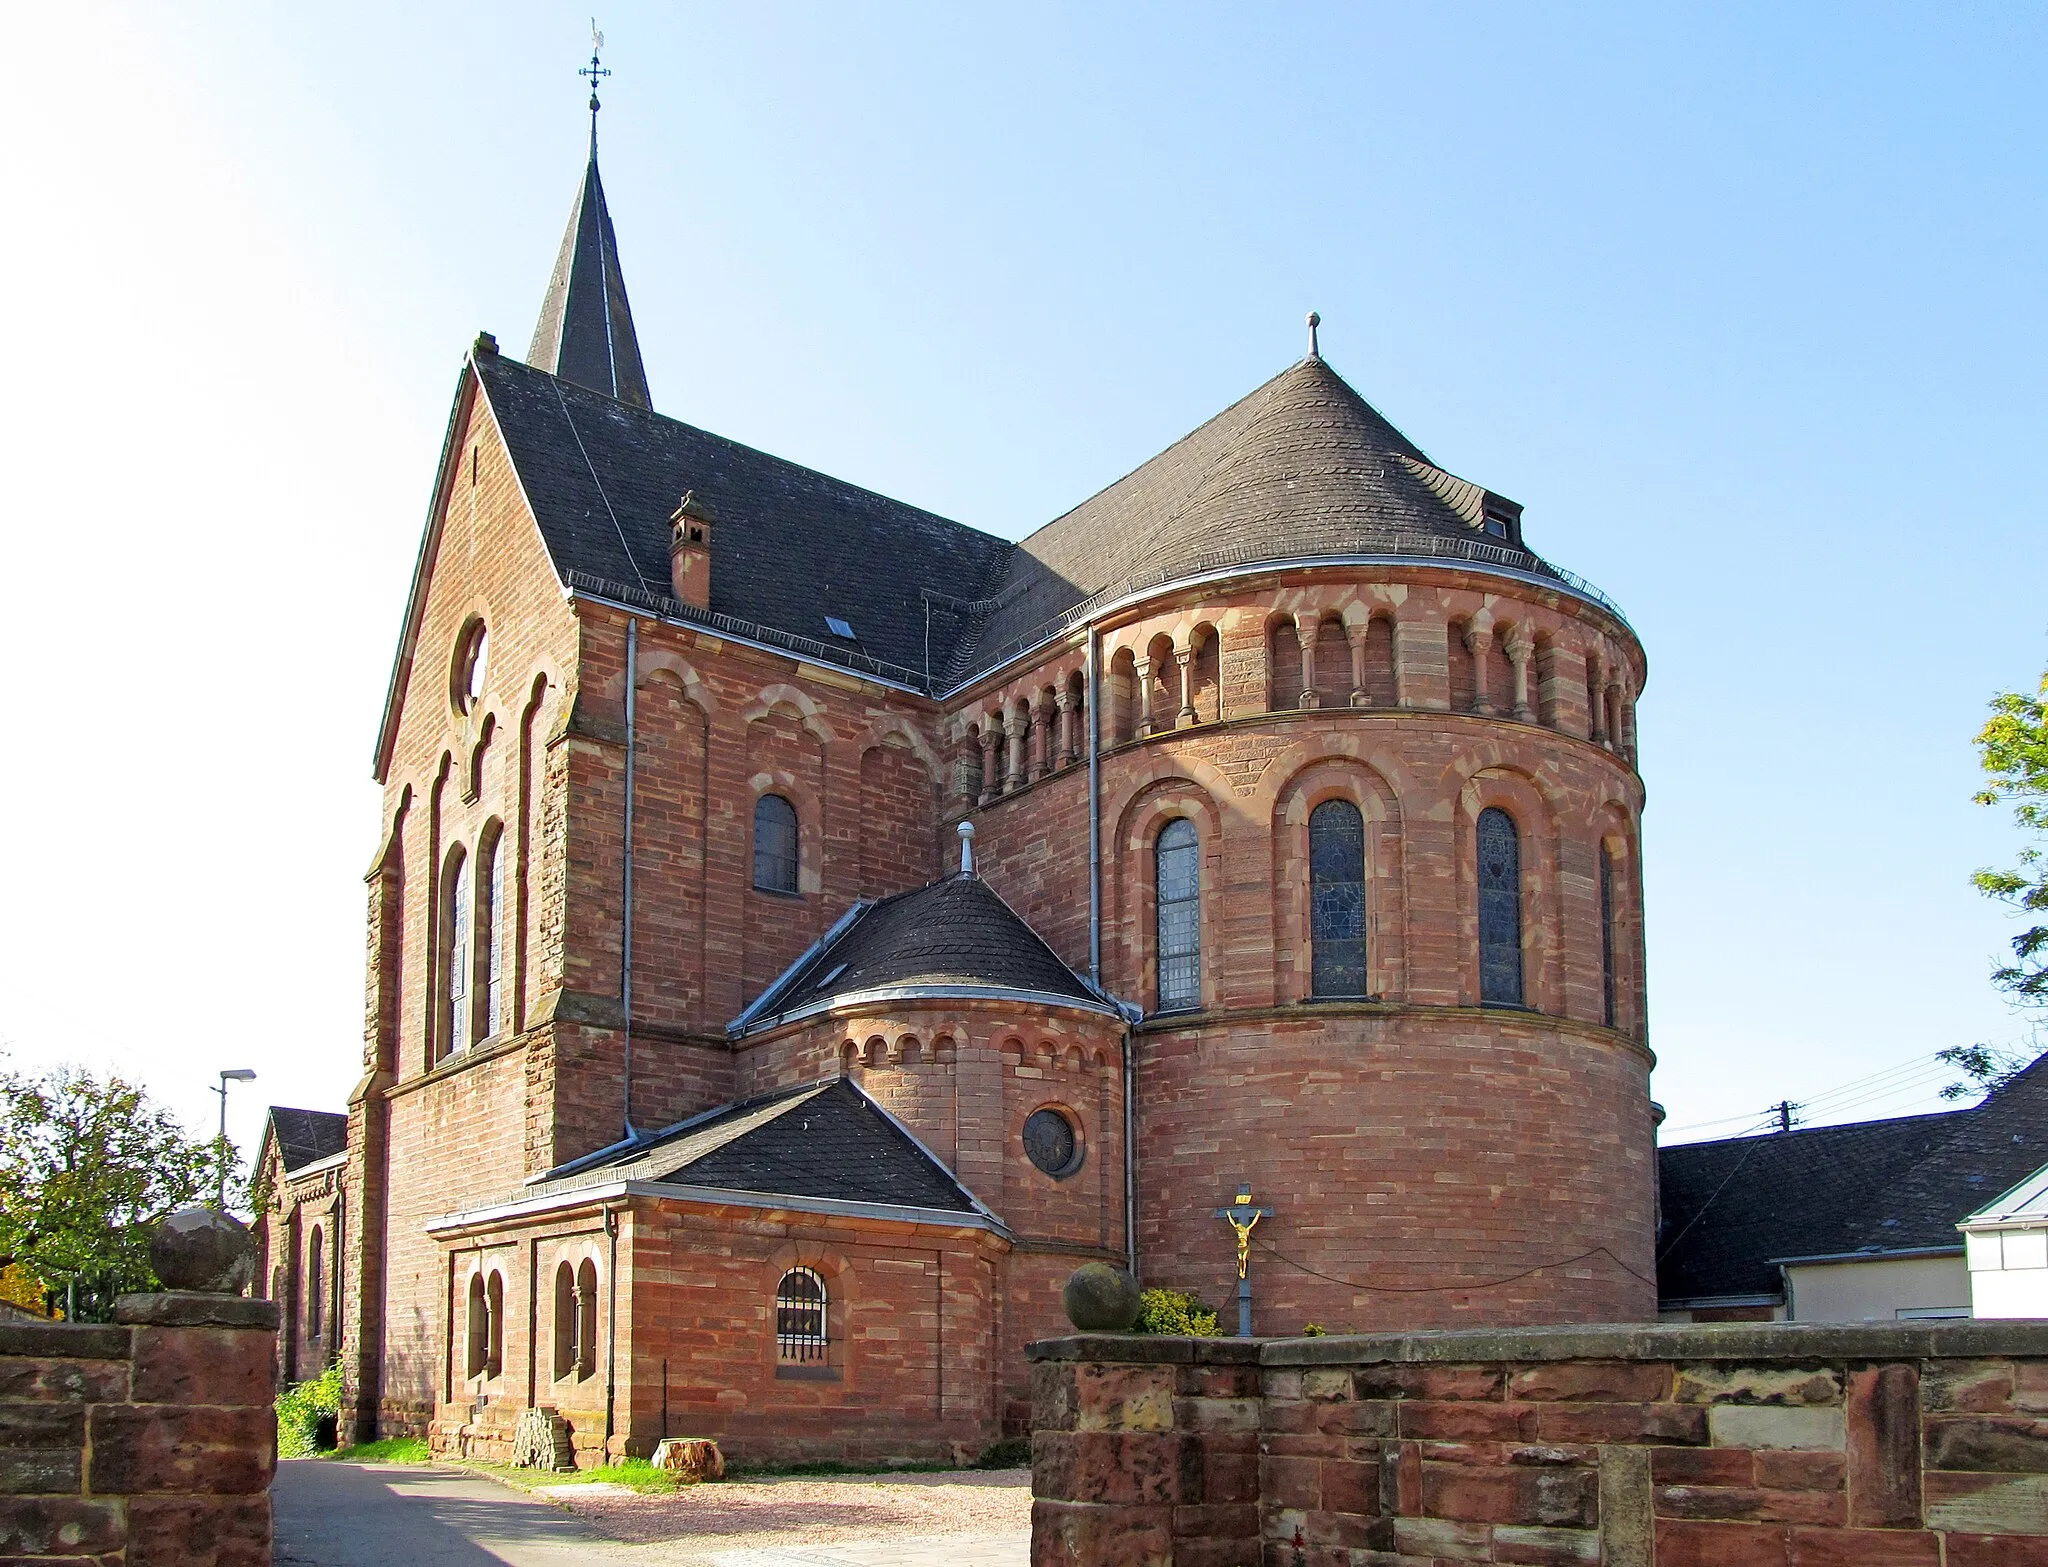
(1336, 873)
(800, 1317)
(774, 844)
(1606, 935)
(1500, 909)
(1177, 869)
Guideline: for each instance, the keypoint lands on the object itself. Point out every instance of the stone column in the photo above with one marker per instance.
(988, 742)
(1069, 729)
(1596, 698)
(1305, 628)
(1617, 731)
(1519, 645)
(1143, 670)
(1183, 659)
(1477, 640)
(1016, 729)
(1357, 635)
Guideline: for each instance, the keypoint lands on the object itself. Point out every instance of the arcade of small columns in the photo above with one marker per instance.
(1023, 736)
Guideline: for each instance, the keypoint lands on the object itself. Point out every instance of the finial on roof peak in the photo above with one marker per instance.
(1314, 348)
(967, 848)
(596, 73)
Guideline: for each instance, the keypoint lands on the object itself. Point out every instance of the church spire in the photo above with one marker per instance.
(585, 333)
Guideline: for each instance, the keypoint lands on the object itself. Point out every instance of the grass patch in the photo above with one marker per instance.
(635, 1474)
(392, 1450)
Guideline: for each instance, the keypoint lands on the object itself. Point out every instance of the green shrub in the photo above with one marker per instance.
(1174, 1311)
(1010, 1453)
(1313, 1330)
(300, 1408)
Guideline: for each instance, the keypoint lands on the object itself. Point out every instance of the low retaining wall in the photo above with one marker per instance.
(147, 1443)
(1792, 1445)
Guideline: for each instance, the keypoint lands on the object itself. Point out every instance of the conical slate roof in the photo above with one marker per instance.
(585, 333)
(1303, 467)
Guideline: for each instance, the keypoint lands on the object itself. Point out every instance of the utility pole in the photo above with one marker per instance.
(1783, 1110)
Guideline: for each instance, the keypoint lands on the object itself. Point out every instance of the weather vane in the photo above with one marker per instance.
(596, 73)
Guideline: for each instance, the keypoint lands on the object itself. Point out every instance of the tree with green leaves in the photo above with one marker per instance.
(88, 1168)
(2013, 748)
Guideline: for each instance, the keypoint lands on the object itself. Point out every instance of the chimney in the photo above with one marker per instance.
(689, 551)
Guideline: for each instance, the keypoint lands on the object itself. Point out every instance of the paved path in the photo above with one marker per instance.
(371, 1515)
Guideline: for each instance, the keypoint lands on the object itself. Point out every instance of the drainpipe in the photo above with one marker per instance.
(611, 1328)
(1131, 1152)
(626, 944)
(1093, 716)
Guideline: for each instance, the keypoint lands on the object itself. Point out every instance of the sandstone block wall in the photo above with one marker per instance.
(148, 1443)
(1787, 1445)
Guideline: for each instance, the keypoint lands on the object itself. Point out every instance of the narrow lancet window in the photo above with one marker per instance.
(1606, 935)
(774, 844)
(1336, 871)
(1500, 909)
(455, 956)
(490, 924)
(1178, 870)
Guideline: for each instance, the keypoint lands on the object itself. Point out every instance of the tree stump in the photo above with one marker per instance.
(692, 1457)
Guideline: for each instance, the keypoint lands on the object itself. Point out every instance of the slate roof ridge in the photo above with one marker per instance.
(585, 327)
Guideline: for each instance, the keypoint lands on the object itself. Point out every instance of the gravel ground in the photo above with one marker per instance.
(791, 1514)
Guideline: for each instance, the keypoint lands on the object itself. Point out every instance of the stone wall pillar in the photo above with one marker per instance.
(1357, 635)
(990, 738)
(1016, 730)
(1478, 639)
(1143, 670)
(1069, 728)
(1183, 660)
(1306, 628)
(1519, 646)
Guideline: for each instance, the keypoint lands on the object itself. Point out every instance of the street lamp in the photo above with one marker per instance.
(240, 1074)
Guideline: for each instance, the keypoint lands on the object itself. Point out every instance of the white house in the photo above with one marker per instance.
(2006, 1242)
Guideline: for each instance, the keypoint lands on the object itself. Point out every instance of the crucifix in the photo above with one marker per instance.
(1243, 1218)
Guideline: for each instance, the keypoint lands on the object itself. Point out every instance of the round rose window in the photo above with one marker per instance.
(1050, 1141)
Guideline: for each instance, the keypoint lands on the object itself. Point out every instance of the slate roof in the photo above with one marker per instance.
(585, 331)
(1733, 1209)
(826, 1140)
(1301, 467)
(307, 1136)
(954, 934)
(790, 546)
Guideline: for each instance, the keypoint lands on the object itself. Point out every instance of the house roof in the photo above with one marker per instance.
(824, 1140)
(1734, 1209)
(955, 935)
(1302, 467)
(790, 546)
(585, 331)
(2026, 1201)
(307, 1136)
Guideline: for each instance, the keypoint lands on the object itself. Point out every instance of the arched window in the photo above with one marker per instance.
(1500, 909)
(1336, 873)
(1606, 935)
(479, 1329)
(494, 1351)
(1178, 871)
(800, 1317)
(774, 844)
(455, 955)
(490, 934)
(315, 1282)
(586, 1318)
(565, 1321)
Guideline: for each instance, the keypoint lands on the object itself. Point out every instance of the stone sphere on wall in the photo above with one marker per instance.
(203, 1249)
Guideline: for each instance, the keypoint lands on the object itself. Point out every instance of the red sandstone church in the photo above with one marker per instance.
(711, 1088)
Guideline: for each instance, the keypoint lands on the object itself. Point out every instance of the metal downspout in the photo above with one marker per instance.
(611, 1328)
(626, 944)
(1092, 712)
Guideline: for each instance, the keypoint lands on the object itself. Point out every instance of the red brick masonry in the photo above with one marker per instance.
(1736, 1445)
(145, 1444)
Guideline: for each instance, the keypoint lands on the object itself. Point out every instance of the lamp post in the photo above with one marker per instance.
(240, 1074)
(1242, 1218)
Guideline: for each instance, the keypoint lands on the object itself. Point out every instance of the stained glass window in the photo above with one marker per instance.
(1500, 909)
(1336, 874)
(1050, 1142)
(774, 844)
(1178, 868)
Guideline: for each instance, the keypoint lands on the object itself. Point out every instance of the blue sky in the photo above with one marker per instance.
(1743, 303)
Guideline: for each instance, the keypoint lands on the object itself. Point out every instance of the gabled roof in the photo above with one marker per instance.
(306, 1136)
(2026, 1202)
(791, 546)
(585, 332)
(824, 1140)
(1734, 1209)
(1302, 467)
(954, 937)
